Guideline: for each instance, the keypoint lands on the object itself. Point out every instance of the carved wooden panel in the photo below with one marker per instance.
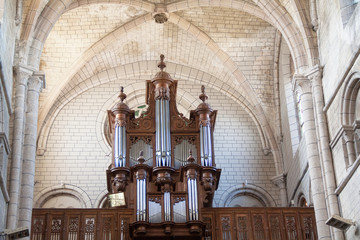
(38, 227)
(89, 227)
(56, 227)
(107, 228)
(73, 227)
(308, 227)
(258, 226)
(178, 122)
(146, 121)
(225, 227)
(243, 227)
(291, 227)
(221, 223)
(275, 224)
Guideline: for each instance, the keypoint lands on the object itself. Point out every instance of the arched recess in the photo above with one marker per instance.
(348, 107)
(104, 78)
(252, 191)
(350, 118)
(64, 190)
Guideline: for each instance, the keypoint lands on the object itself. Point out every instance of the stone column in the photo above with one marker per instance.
(28, 174)
(315, 76)
(348, 136)
(280, 182)
(21, 80)
(303, 88)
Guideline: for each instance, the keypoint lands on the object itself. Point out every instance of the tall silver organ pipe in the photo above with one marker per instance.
(120, 111)
(205, 145)
(192, 198)
(120, 146)
(167, 208)
(204, 111)
(141, 199)
(163, 140)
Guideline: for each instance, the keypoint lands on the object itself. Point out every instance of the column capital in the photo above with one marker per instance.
(279, 180)
(348, 133)
(23, 73)
(314, 73)
(301, 84)
(37, 81)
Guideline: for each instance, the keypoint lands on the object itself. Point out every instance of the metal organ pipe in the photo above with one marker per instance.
(163, 140)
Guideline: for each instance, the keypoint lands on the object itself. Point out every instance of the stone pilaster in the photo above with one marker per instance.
(280, 182)
(36, 82)
(22, 75)
(315, 77)
(303, 87)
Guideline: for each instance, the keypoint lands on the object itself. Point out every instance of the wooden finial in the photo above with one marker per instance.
(203, 95)
(190, 159)
(122, 95)
(162, 64)
(141, 158)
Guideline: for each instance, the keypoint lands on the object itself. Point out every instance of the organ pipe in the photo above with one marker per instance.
(204, 110)
(120, 110)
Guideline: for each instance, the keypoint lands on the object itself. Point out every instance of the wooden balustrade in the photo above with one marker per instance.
(221, 223)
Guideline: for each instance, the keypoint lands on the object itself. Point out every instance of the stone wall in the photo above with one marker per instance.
(339, 43)
(75, 154)
(7, 45)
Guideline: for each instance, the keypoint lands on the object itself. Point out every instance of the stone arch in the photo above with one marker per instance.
(100, 201)
(302, 201)
(274, 14)
(350, 118)
(51, 115)
(350, 92)
(252, 190)
(136, 92)
(46, 25)
(40, 25)
(63, 189)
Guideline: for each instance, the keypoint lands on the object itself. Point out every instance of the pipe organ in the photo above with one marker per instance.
(162, 181)
(163, 163)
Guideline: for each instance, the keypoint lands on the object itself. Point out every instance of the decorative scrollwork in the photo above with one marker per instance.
(56, 225)
(190, 139)
(89, 225)
(179, 199)
(74, 224)
(155, 199)
(120, 122)
(135, 139)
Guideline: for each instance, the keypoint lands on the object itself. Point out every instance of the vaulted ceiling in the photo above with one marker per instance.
(229, 45)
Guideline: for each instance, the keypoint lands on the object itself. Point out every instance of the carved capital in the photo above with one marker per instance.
(204, 122)
(301, 84)
(315, 75)
(279, 181)
(348, 134)
(22, 74)
(120, 122)
(36, 82)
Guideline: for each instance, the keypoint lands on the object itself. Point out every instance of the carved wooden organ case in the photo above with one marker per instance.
(163, 164)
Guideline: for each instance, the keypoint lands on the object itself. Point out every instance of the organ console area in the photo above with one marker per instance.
(163, 163)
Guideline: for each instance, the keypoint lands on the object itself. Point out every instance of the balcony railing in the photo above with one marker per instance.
(221, 224)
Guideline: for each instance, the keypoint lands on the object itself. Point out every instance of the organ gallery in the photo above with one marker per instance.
(162, 181)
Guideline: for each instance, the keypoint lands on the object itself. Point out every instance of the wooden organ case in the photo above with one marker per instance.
(163, 164)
